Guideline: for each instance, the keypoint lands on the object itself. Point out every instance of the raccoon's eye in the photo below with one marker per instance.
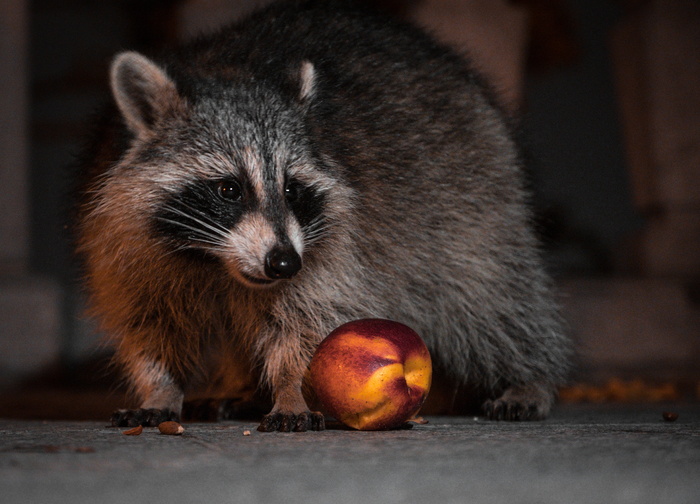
(292, 191)
(229, 190)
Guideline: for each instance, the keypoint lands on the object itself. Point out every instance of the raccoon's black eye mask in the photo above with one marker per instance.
(205, 211)
(306, 202)
(202, 212)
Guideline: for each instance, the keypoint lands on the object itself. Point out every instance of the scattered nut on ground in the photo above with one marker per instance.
(133, 432)
(171, 428)
(670, 416)
(246, 433)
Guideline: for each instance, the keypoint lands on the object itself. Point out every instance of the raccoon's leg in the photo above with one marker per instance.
(527, 402)
(290, 412)
(285, 366)
(161, 396)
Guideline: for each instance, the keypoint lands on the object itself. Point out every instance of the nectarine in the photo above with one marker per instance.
(372, 374)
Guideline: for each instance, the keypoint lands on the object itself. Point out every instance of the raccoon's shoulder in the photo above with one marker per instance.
(341, 38)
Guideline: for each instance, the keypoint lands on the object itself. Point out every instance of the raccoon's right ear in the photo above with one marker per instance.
(307, 82)
(143, 91)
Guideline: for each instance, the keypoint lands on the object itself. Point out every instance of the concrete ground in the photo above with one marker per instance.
(582, 454)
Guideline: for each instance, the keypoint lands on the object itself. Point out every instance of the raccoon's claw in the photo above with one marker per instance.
(150, 417)
(509, 410)
(525, 402)
(289, 422)
(498, 409)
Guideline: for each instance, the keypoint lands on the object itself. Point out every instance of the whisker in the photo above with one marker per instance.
(210, 225)
(201, 213)
(199, 235)
(200, 246)
(316, 230)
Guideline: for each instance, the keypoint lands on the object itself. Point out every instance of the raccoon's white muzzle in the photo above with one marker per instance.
(257, 256)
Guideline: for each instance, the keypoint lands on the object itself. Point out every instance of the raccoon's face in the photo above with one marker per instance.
(257, 216)
(233, 175)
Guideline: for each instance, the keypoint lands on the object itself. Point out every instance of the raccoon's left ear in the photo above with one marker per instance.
(143, 91)
(307, 82)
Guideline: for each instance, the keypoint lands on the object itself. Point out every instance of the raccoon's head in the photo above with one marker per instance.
(229, 168)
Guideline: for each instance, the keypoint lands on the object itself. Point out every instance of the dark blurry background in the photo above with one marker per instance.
(608, 93)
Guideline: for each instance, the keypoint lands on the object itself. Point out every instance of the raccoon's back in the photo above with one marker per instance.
(391, 106)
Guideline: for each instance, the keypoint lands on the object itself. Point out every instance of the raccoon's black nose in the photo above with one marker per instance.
(282, 262)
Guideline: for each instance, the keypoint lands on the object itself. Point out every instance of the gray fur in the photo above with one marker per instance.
(423, 219)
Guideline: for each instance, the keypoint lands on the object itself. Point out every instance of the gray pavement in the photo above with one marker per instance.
(582, 454)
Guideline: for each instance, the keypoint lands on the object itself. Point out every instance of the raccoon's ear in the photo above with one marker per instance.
(143, 91)
(307, 82)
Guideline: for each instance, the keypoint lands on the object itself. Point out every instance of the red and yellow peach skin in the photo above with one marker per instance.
(372, 374)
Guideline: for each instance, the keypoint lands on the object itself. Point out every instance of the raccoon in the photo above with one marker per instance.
(313, 164)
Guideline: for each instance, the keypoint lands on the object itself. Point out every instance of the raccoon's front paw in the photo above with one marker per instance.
(150, 417)
(520, 403)
(290, 422)
(499, 409)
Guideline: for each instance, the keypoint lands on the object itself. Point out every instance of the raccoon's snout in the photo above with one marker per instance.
(282, 262)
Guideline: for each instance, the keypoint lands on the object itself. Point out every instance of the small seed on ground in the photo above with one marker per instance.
(670, 416)
(171, 428)
(133, 432)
